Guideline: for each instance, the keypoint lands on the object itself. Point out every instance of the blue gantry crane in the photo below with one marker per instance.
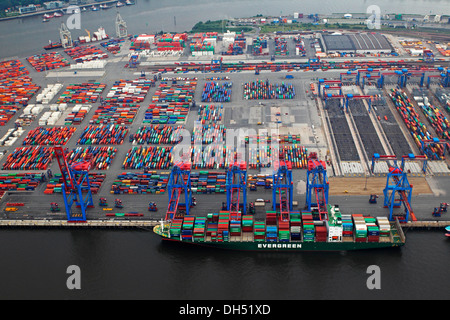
(179, 184)
(236, 184)
(349, 77)
(216, 64)
(350, 96)
(75, 183)
(398, 192)
(317, 187)
(283, 189)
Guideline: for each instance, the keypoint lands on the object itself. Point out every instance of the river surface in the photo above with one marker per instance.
(138, 265)
(26, 36)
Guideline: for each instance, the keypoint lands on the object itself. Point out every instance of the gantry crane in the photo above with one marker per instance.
(75, 183)
(65, 36)
(350, 96)
(317, 187)
(397, 184)
(283, 188)
(237, 189)
(121, 27)
(179, 184)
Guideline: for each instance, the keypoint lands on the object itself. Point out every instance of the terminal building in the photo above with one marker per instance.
(357, 43)
(28, 9)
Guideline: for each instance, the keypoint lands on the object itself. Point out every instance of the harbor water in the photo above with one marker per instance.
(138, 265)
(27, 36)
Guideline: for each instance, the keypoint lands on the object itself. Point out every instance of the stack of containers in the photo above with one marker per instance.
(209, 157)
(83, 93)
(321, 233)
(204, 182)
(209, 134)
(17, 91)
(199, 229)
(347, 227)
(307, 216)
(126, 91)
(48, 61)
(175, 91)
(271, 233)
(140, 183)
(77, 115)
(211, 114)
(6, 113)
(235, 228)
(48, 93)
(29, 158)
(308, 230)
(11, 137)
(110, 134)
(169, 42)
(264, 90)
(437, 120)
(112, 45)
(143, 41)
(296, 226)
(122, 114)
(85, 53)
(385, 229)
(203, 43)
(171, 113)
(148, 157)
(175, 229)
(188, 228)
(417, 129)
(92, 64)
(281, 46)
(19, 181)
(360, 228)
(157, 134)
(212, 222)
(11, 69)
(259, 46)
(55, 184)
(299, 46)
(247, 223)
(259, 233)
(223, 225)
(49, 136)
(100, 157)
(283, 230)
(373, 231)
(271, 218)
(213, 92)
(296, 154)
(308, 226)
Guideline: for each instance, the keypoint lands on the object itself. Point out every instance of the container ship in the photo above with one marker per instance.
(53, 45)
(319, 227)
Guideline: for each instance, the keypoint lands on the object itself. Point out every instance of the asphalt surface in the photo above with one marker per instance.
(297, 116)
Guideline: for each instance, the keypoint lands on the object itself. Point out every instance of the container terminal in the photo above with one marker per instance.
(88, 129)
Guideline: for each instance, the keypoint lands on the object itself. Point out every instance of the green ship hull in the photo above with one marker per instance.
(293, 246)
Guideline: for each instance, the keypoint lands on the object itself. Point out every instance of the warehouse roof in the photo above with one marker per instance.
(338, 43)
(356, 41)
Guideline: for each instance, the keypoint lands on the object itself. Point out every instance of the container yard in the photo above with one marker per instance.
(126, 122)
